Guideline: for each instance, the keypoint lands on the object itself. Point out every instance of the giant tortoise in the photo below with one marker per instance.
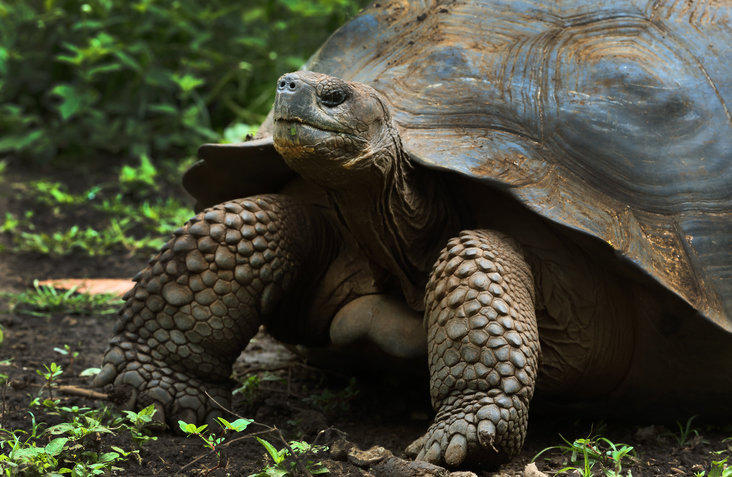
(527, 194)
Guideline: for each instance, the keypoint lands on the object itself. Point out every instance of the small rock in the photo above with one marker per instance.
(463, 473)
(367, 458)
(532, 471)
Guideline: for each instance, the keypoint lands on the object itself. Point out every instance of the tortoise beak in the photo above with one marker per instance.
(295, 99)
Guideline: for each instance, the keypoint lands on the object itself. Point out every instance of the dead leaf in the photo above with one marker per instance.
(93, 286)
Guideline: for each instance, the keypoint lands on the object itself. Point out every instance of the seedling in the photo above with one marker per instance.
(50, 374)
(210, 440)
(141, 420)
(685, 432)
(284, 462)
(617, 453)
(66, 351)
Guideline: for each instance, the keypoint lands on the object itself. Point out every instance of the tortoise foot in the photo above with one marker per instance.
(137, 380)
(473, 429)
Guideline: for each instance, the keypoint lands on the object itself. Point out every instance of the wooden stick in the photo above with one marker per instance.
(77, 391)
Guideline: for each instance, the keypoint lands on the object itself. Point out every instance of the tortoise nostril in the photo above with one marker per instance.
(292, 85)
(282, 84)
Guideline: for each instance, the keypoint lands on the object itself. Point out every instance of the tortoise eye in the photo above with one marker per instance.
(333, 97)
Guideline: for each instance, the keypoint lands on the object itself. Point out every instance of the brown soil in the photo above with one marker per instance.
(387, 411)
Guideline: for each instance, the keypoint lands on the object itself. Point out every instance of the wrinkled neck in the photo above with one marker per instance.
(399, 216)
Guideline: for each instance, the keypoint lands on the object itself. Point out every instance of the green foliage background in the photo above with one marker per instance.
(114, 79)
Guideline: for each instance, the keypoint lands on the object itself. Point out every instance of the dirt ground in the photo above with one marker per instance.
(302, 401)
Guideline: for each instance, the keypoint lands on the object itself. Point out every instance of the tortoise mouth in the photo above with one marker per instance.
(299, 131)
(296, 122)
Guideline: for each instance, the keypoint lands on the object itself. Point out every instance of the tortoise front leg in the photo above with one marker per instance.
(201, 299)
(483, 348)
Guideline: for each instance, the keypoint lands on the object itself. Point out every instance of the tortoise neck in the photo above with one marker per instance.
(399, 215)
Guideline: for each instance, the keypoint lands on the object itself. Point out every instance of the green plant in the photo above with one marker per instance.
(50, 373)
(126, 223)
(25, 456)
(25, 452)
(211, 440)
(717, 468)
(111, 239)
(94, 78)
(284, 460)
(140, 178)
(45, 300)
(685, 432)
(585, 453)
(67, 351)
(11, 224)
(249, 388)
(64, 448)
(80, 426)
(140, 421)
(617, 453)
(52, 193)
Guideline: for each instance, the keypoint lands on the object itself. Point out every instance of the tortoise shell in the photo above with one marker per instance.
(609, 117)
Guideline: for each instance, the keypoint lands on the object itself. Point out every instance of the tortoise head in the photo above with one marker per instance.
(328, 129)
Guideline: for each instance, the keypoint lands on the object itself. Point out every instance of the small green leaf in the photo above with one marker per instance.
(188, 428)
(272, 451)
(70, 100)
(62, 428)
(147, 413)
(108, 457)
(187, 82)
(237, 426)
(90, 372)
(55, 447)
(319, 469)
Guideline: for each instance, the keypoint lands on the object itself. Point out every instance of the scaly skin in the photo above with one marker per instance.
(483, 347)
(202, 298)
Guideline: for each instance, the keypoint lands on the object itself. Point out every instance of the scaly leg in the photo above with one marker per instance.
(483, 348)
(202, 298)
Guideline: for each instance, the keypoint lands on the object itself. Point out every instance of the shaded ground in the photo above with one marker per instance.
(295, 397)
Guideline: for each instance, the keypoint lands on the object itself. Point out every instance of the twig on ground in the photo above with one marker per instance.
(77, 391)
